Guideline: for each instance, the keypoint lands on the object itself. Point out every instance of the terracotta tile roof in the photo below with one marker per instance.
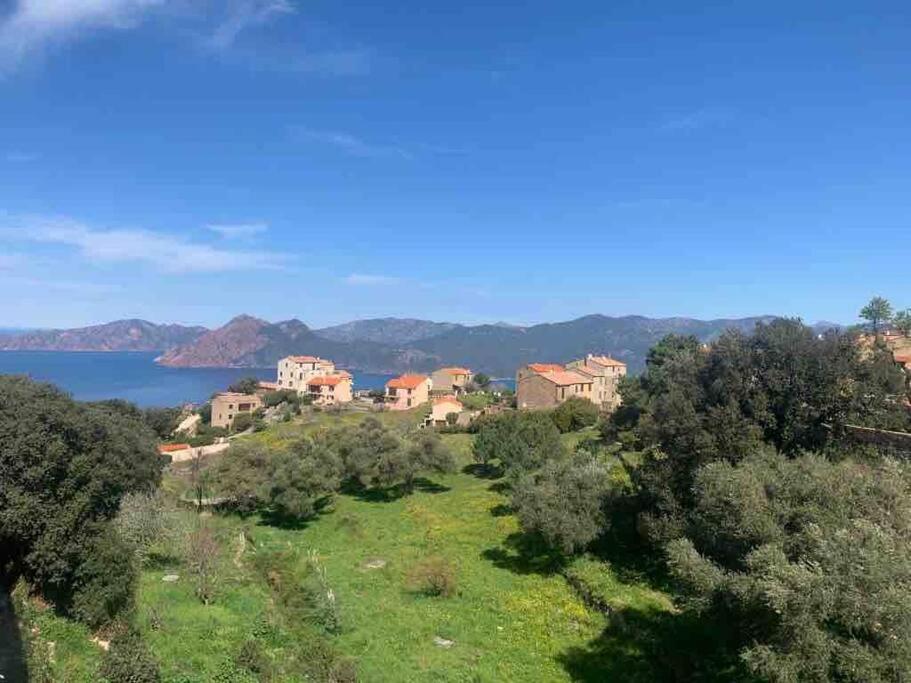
(607, 361)
(455, 371)
(305, 359)
(171, 447)
(565, 378)
(545, 367)
(585, 370)
(406, 382)
(447, 399)
(234, 394)
(903, 357)
(328, 380)
(268, 385)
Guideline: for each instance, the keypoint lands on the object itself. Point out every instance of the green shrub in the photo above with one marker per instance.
(517, 441)
(433, 576)
(242, 422)
(574, 414)
(105, 582)
(128, 660)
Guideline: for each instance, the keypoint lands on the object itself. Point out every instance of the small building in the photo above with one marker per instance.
(295, 371)
(443, 407)
(329, 390)
(450, 380)
(606, 373)
(541, 390)
(407, 391)
(228, 405)
(536, 369)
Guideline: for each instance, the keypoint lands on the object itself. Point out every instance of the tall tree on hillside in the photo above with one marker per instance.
(64, 467)
(902, 322)
(878, 311)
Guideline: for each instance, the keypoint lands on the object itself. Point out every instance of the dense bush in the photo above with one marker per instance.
(574, 414)
(64, 467)
(433, 576)
(275, 398)
(242, 422)
(564, 502)
(809, 560)
(245, 385)
(128, 660)
(162, 421)
(105, 582)
(517, 442)
(141, 521)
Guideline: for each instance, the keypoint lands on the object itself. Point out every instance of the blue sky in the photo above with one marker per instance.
(188, 160)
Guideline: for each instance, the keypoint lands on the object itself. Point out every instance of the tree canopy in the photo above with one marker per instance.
(64, 467)
(876, 312)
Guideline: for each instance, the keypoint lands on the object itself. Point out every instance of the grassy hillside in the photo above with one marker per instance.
(514, 615)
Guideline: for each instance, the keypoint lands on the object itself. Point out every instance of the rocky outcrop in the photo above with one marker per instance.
(120, 335)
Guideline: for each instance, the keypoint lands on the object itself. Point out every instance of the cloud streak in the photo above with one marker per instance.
(350, 144)
(35, 25)
(238, 231)
(364, 280)
(243, 15)
(705, 117)
(165, 252)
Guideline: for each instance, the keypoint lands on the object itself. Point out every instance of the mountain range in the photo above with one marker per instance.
(383, 345)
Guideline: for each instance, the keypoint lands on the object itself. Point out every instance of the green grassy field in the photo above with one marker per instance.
(514, 616)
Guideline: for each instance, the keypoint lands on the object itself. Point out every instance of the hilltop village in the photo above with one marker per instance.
(452, 392)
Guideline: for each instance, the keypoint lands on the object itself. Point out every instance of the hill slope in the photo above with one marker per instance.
(494, 349)
(391, 331)
(120, 335)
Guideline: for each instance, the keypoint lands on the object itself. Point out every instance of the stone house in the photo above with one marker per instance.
(450, 380)
(606, 373)
(540, 390)
(295, 371)
(228, 405)
(442, 408)
(407, 391)
(328, 390)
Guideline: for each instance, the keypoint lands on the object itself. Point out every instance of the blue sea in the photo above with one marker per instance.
(135, 377)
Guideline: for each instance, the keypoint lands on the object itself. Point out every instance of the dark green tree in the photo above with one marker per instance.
(902, 322)
(64, 466)
(518, 442)
(878, 311)
(564, 502)
(574, 414)
(245, 385)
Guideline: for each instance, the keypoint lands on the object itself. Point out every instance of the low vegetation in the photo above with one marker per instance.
(720, 526)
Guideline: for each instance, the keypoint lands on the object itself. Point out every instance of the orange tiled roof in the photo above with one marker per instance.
(447, 399)
(406, 382)
(607, 361)
(171, 447)
(565, 378)
(455, 371)
(546, 367)
(327, 380)
(902, 357)
(234, 394)
(268, 385)
(305, 359)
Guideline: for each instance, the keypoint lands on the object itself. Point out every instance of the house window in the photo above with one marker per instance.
(409, 402)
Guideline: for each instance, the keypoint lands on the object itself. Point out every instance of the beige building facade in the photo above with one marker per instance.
(228, 405)
(295, 371)
(407, 391)
(548, 388)
(450, 380)
(443, 407)
(329, 390)
(606, 372)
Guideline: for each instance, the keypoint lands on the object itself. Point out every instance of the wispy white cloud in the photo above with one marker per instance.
(350, 144)
(34, 25)
(166, 252)
(705, 117)
(19, 157)
(363, 280)
(234, 231)
(242, 15)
